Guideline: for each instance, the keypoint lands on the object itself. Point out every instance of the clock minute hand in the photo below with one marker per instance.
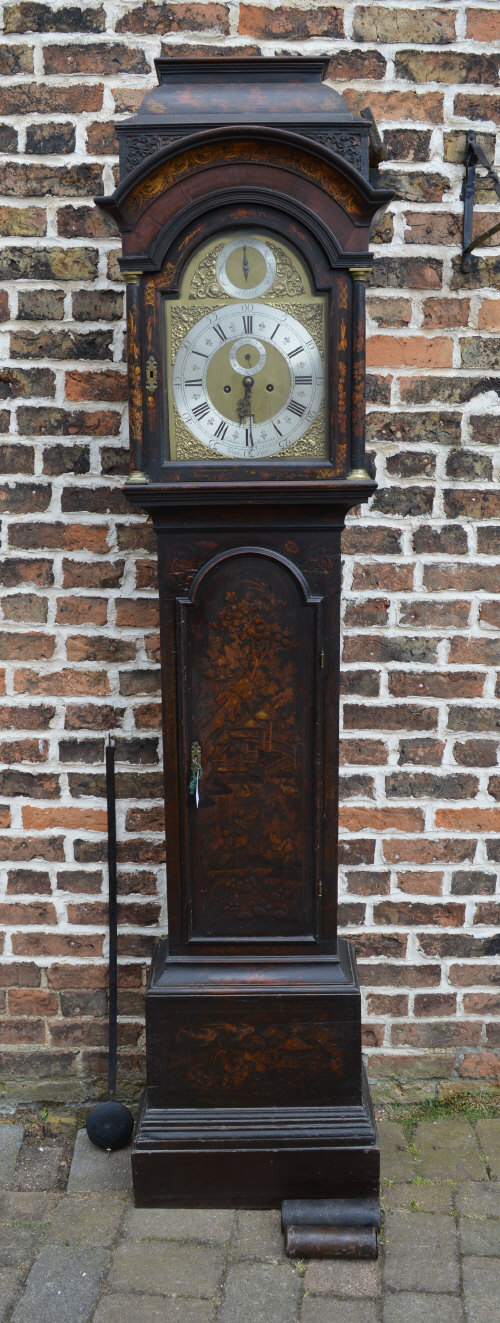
(244, 407)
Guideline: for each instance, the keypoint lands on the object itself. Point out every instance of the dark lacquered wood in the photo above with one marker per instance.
(255, 1089)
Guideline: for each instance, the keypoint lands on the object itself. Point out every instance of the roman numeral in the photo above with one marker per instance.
(277, 430)
(248, 325)
(195, 381)
(298, 409)
(277, 327)
(201, 409)
(221, 430)
(199, 353)
(218, 331)
(303, 381)
(293, 352)
(248, 437)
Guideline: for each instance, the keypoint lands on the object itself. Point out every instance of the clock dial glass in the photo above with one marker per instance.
(246, 355)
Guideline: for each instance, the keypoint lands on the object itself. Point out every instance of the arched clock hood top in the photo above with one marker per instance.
(222, 91)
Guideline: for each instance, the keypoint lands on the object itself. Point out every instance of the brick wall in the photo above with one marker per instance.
(420, 815)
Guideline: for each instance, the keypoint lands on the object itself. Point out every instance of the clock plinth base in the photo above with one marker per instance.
(256, 1095)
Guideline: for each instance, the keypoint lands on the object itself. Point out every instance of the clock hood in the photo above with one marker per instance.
(286, 93)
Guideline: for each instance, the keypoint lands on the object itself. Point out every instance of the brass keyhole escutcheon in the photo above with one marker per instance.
(151, 374)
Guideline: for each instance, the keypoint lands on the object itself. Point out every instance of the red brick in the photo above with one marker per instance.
(435, 1003)
(404, 913)
(59, 536)
(470, 975)
(37, 912)
(405, 1066)
(38, 819)
(77, 946)
(81, 611)
(22, 1031)
(94, 58)
(28, 1001)
(401, 107)
(445, 313)
(428, 851)
(383, 577)
(475, 106)
(106, 385)
(28, 881)
(50, 99)
(163, 18)
(137, 613)
(20, 973)
(430, 1034)
(61, 682)
(487, 912)
(483, 25)
(479, 1065)
(482, 1003)
(260, 22)
(468, 819)
(436, 684)
(395, 717)
(386, 24)
(381, 819)
(420, 883)
(23, 848)
(409, 351)
(362, 751)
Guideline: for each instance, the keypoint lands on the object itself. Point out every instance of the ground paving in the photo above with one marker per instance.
(75, 1250)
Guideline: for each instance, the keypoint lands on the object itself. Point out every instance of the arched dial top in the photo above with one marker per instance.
(246, 354)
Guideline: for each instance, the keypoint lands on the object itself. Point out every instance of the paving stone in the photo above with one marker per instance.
(214, 1224)
(481, 1278)
(136, 1308)
(449, 1151)
(421, 1251)
(476, 1199)
(258, 1236)
(426, 1198)
(395, 1157)
(340, 1277)
(31, 1208)
(86, 1219)
(167, 1268)
(317, 1309)
(17, 1245)
(93, 1169)
(261, 1293)
(11, 1281)
(422, 1309)
(41, 1167)
(63, 1286)
(479, 1235)
(489, 1142)
(11, 1138)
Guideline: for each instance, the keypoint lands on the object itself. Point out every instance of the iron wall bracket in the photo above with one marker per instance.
(474, 157)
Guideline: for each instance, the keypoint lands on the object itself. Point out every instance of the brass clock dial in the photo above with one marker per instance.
(246, 354)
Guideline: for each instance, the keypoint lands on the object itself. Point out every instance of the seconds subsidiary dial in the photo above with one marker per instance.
(248, 379)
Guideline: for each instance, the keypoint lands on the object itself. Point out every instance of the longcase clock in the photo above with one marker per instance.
(245, 207)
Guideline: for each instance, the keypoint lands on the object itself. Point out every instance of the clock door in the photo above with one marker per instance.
(250, 645)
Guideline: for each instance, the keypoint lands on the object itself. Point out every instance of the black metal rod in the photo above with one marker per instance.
(112, 919)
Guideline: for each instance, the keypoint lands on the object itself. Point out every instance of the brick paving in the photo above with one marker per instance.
(84, 1254)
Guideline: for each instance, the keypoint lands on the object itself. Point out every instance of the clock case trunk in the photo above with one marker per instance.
(255, 1091)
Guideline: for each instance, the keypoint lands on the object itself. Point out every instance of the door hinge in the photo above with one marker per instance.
(322, 660)
(320, 889)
